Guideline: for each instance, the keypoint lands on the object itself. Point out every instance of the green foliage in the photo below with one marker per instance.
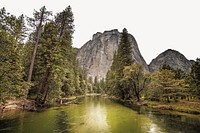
(164, 86)
(179, 74)
(194, 79)
(114, 80)
(99, 86)
(111, 83)
(11, 74)
(53, 70)
(64, 21)
(36, 23)
(56, 72)
(124, 53)
(136, 81)
(11, 69)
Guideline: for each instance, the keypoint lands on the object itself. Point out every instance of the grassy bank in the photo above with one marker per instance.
(190, 107)
(181, 106)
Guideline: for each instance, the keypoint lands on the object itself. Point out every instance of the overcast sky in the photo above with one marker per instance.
(157, 25)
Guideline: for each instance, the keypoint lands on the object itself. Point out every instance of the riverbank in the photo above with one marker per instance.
(17, 104)
(181, 106)
(31, 105)
(190, 107)
(74, 99)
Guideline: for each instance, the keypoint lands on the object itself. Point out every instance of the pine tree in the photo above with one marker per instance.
(124, 53)
(122, 58)
(64, 21)
(36, 23)
(11, 69)
(51, 61)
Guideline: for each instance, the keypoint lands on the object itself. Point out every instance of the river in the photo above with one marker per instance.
(96, 114)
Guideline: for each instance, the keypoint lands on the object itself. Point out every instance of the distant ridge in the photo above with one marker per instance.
(172, 58)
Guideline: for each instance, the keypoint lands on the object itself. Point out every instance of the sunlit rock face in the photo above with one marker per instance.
(172, 58)
(96, 55)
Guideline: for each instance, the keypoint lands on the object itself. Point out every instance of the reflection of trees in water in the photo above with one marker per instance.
(62, 123)
(176, 123)
(9, 125)
(6, 125)
(12, 122)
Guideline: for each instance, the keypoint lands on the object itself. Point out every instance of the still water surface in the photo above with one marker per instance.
(96, 114)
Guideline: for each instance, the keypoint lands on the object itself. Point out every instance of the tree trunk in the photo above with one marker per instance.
(32, 63)
(138, 96)
(42, 88)
(45, 96)
(36, 46)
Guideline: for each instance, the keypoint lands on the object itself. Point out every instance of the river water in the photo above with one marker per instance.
(96, 114)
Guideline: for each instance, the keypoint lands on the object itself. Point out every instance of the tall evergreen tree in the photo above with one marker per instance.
(124, 53)
(11, 69)
(120, 60)
(36, 23)
(64, 21)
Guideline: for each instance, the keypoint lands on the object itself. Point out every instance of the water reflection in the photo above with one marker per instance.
(11, 122)
(174, 123)
(62, 122)
(93, 116)
(99, 115)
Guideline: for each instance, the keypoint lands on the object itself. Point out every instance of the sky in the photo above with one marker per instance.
(157, 25)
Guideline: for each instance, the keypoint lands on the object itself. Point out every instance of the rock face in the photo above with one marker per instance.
(96, 55)
(172, 58)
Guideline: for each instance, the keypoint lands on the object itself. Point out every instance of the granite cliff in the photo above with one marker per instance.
(172, 58)
(97, 54)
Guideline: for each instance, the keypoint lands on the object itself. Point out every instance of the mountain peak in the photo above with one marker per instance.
(114, 31)
(170, 57)
(96, 56)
